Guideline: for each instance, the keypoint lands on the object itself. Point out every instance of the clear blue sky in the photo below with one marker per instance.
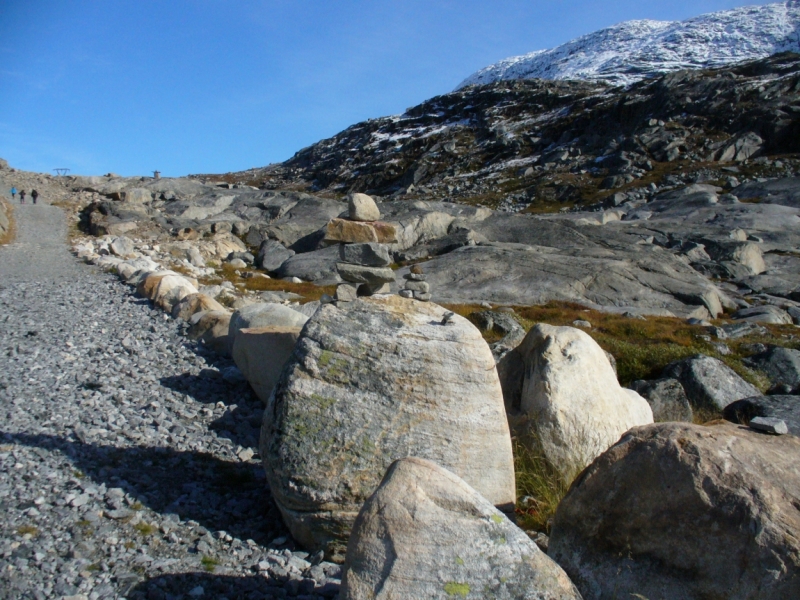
(209, 86)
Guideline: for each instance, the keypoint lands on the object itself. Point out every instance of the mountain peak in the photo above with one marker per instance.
(633, 50)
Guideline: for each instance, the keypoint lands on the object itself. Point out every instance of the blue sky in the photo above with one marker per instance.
(210, 86)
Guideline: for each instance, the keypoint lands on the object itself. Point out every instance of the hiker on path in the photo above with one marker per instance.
(34, 195)
(22, 196)
(13, 193)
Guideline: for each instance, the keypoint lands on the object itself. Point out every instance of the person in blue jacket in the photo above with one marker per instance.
(13, 193)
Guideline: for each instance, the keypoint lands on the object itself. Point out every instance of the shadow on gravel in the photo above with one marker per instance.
(220, 495)
(214, 586)
(209, 387)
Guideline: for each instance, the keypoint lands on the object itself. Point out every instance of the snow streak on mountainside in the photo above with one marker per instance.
(633, 50)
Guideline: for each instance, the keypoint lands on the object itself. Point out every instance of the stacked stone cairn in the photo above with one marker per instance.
(416, 287)
(363, 250)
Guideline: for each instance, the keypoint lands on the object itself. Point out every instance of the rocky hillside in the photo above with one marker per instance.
(636, 50)
(536, 145)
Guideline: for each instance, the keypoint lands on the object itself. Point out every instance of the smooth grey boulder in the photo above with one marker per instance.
(318, 266)
(367, 254)
(425, 533)
(361, 207)
(667, 399)
(781, 365)
(374, 277)
(271, 255)
(784, 407)
(763, 314)
(709, 382)
(371, 381)
(571, 396)
(676, 511)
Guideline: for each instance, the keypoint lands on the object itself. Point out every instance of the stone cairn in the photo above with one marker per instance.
(416, 287)
(363, 253)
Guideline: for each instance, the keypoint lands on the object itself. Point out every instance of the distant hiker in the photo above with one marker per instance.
(13, 193)
(34, 195)
(22, 196)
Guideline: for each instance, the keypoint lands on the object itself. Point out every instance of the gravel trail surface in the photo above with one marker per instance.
(128, 465)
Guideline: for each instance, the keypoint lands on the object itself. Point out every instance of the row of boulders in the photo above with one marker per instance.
(378, 379)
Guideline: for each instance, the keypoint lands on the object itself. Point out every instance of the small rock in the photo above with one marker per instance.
(769, 425)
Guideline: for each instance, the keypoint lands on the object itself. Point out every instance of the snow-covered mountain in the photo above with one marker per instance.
(633, 50)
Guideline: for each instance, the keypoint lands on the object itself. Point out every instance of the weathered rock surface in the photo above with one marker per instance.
(371, 381)
(425, 533)
(667, 399)
(648, 279)
(785, 407)
(678, 511)
(708, 382)
(261, 352)
(570, 393)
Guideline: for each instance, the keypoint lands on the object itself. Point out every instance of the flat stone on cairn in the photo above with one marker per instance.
(416, 287)
(364, 255)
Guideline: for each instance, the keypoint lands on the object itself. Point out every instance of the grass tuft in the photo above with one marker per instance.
(209, 563)
(28, 530)
(145, 528)
(540, 487)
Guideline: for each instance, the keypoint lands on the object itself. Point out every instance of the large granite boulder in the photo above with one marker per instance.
(369, 382)
(677, 511)
(570, 394)
(425, 533)
(709, 382)
(261, 353)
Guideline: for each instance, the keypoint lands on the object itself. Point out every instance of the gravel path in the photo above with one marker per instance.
(127, 459)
